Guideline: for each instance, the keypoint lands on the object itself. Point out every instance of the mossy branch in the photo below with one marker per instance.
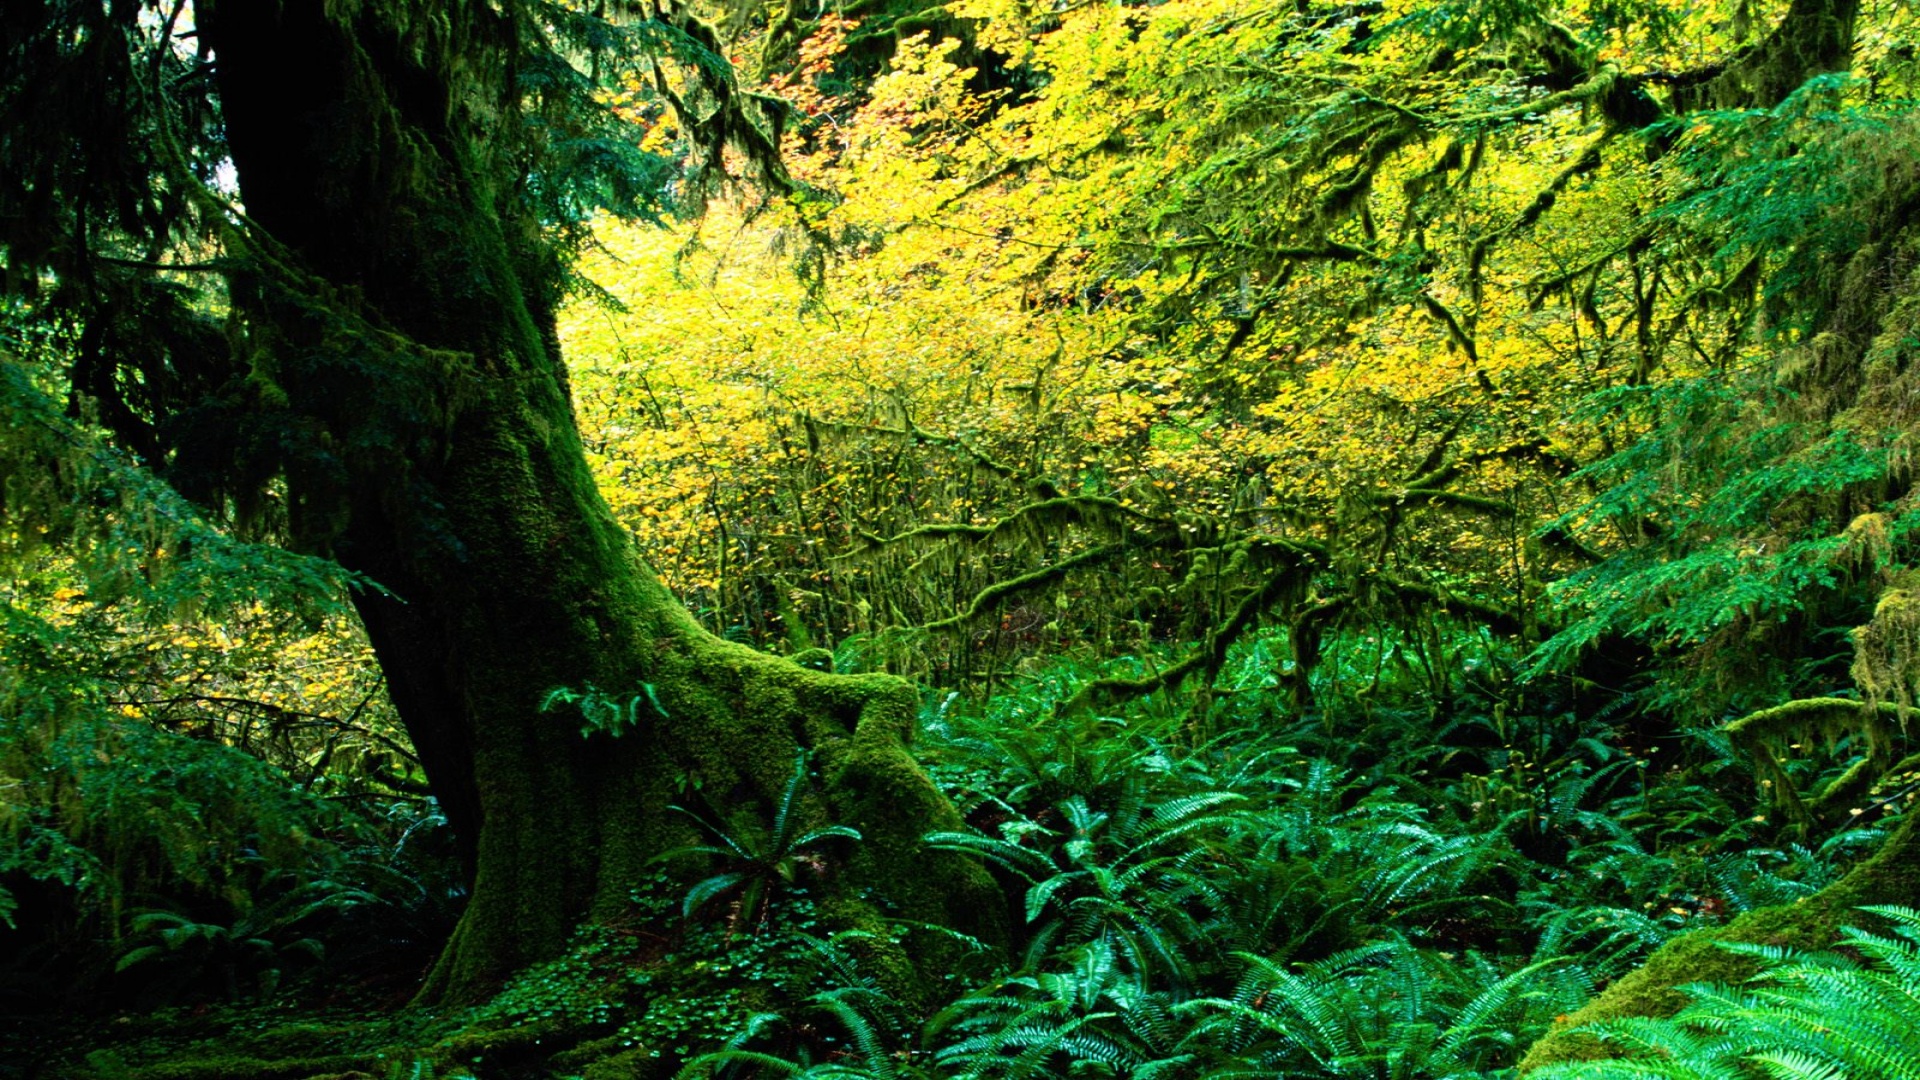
(1542, 287)
(1462, 337)
(1561, 540)
(1814, 36)
(942, 531)
(1326, 251)
(1039, 485)
(1428, 496)
(727, 125)
(1586, 161)
(1438, 466)
(1891, 876)
(1206, 660)
(1876, 720)
(1096, 511)
(1595, 88)
(1796, 717)
(1498, 619)
(999, 592)
(1439, 469)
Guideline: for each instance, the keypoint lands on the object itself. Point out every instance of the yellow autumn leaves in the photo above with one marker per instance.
(1041, 287)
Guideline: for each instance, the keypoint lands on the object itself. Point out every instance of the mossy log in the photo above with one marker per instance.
(1891, 876)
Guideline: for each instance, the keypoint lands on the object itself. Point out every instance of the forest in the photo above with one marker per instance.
(979, 540)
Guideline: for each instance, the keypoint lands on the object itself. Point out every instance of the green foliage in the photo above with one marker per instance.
(582, 988)
(1806, 1015)
(1130, 881)
(1389, 1011)
(115, 811)
(668, 991)
(1256, 903)
(1788, 183)
(129, 537)
(1241, 908)
(602, 713)
(1019, 748)
(758, 864)
(869, 1037)
(1273, 318)
(195, 763)
(1747, 519)
(251, 951)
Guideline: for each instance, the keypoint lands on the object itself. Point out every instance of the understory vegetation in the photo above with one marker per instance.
(1398, 519)
(1376, 893)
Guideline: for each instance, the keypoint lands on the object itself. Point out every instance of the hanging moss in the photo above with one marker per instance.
(1763, 734)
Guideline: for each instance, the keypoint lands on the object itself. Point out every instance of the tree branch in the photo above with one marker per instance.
(999, 592)
(1207, 659)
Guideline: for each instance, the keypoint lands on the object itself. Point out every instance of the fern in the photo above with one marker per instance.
(1809, 1016)
(1386, 1010)
(755, 865)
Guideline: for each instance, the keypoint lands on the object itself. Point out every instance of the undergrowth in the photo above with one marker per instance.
(1228, 895)
(1213, 895)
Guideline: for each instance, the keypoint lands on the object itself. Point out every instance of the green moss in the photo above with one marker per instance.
(593, 1052)
(1653, 989)
(1892, 876)
(496, 1040)
(300, 1051)
(815, 659)
(630, 1065)
(572, 822)
(254, 1068)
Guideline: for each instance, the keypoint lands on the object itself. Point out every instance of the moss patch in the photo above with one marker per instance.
(1892, 876)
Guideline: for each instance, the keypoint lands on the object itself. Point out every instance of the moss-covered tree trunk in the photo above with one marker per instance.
(398, 309)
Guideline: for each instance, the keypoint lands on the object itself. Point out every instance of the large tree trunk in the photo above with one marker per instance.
(424, 408)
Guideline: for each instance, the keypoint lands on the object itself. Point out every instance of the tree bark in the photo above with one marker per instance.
(1812, 38)
(401, 327)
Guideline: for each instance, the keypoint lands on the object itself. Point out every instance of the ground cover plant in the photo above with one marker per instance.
(1192, 539)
